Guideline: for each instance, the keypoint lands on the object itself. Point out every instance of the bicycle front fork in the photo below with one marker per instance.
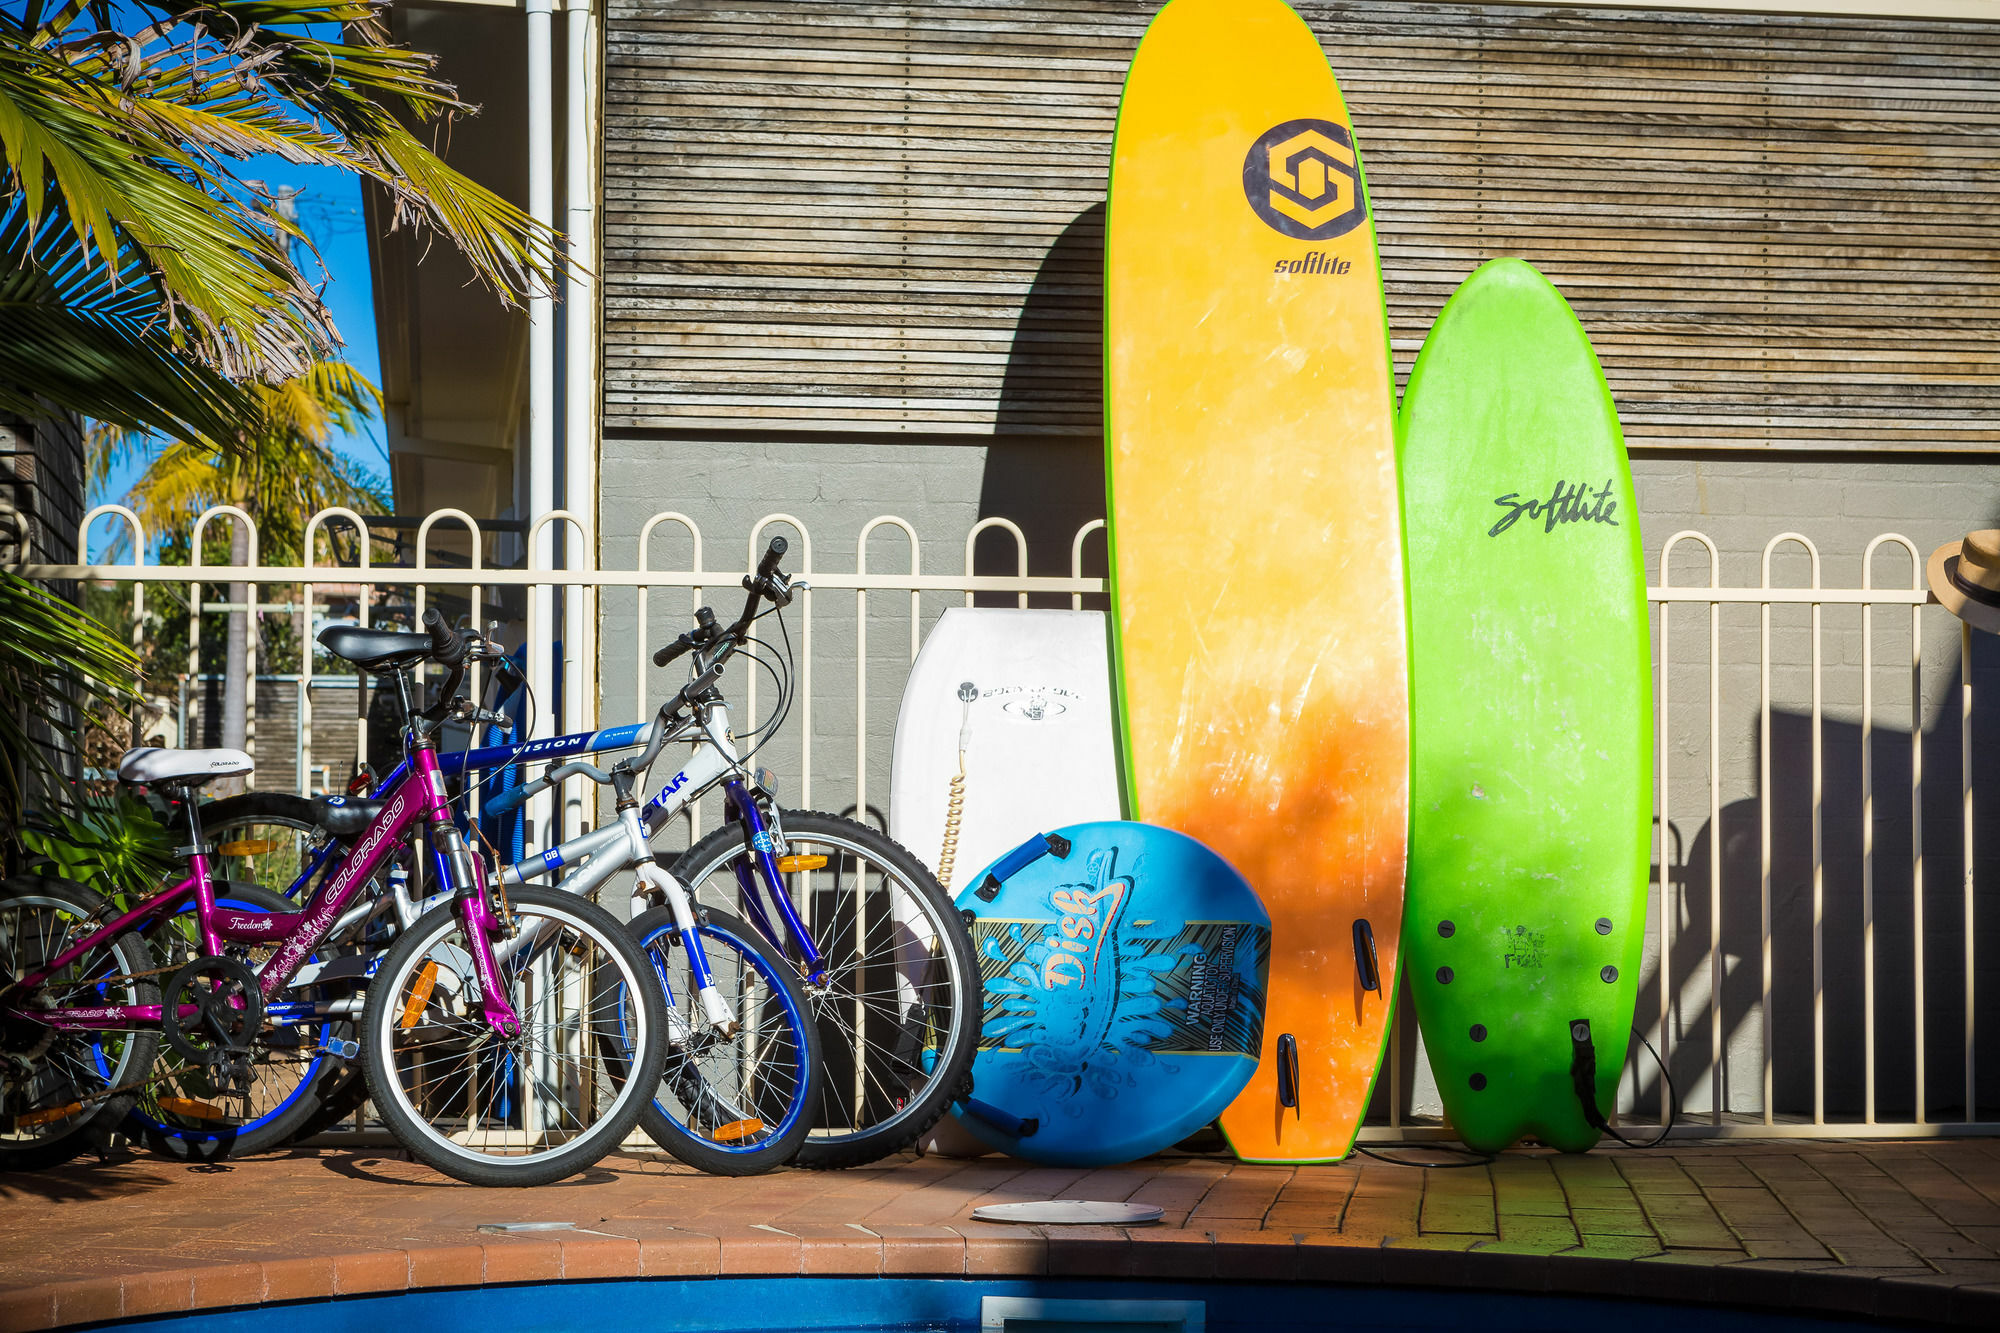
(714, 1008)
(763, 845)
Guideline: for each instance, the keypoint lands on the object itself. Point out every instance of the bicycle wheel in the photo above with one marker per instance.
(339, 1099)
(182, 1113)
(261, 838)
(730, 1106)
(898, 1005)
(62, 1091)
(528, 1109)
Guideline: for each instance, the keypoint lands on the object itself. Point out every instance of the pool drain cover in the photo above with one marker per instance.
(1069, 1212)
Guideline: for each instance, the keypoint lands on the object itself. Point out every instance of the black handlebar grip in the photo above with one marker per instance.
(671, 651)
(772, 555)
(447, 644)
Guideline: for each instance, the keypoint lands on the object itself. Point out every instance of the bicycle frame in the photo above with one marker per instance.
(714, 763)
(420, 797)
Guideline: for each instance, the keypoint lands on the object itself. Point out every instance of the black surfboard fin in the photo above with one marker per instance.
(1012, 1126)
(1364, 955)
(1288, 1073)
(1583, 1073)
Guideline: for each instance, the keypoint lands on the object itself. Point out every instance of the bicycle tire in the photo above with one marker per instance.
(280, 809)
(345, 1093)
(64, 1055)
(781, 1054)
(424, 953)
(346, 1088)
(292, 1088)
(882, 1091)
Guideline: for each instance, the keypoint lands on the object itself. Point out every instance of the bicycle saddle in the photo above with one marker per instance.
(344, 816)
(150, 764)
(375, 649)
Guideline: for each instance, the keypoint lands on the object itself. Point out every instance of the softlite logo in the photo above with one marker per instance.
(1301, 177)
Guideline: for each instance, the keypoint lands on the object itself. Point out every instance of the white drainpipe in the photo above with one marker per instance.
(579, 386)
(541, 387)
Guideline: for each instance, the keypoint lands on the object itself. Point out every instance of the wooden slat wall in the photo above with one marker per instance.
(1778, 230)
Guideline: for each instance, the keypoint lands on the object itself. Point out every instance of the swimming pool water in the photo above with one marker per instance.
(944, 1305)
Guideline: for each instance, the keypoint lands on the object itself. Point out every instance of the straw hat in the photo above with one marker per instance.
(1965, 576)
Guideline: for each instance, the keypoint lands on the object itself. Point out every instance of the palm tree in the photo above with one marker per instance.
(143, 281)
(279, 467)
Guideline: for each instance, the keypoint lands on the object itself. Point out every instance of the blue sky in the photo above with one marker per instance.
(330, 210)
(329, 203)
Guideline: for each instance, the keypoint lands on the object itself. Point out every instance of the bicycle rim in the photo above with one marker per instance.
(70, 1078)
(737, 1095)
(898, 1007)
(184, 1112)
(477, 1106)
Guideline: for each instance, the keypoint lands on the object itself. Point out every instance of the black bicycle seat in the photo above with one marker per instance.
(375, 649)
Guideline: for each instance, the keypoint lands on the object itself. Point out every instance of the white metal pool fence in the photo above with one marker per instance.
(1801, 994)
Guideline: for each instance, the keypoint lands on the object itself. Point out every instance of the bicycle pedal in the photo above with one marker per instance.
(346, 1050)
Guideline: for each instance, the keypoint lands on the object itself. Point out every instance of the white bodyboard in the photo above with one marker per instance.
(1039, 750)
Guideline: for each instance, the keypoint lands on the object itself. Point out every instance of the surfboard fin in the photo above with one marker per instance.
(1364, 955)
(1288, 1073)
(1583, 1073)
(1012, 1126)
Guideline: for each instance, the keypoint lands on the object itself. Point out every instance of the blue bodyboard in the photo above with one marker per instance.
(1125, 968)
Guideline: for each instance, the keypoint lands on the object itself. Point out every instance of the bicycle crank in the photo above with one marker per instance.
(229, 1010)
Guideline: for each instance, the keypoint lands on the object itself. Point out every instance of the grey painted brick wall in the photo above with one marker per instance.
(1740, 500)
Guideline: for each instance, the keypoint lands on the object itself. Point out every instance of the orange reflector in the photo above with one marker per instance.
(420, 995)
(738, 1130)
(29, 1119)
(787, 864)
(189, 1109)
(249, 847)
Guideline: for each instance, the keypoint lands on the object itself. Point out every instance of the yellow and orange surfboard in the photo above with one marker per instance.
(1257, 567)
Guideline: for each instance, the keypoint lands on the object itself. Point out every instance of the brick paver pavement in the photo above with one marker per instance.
(1901, 1231)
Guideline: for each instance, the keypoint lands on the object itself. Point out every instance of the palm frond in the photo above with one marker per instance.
(53, 658)
(99, 349)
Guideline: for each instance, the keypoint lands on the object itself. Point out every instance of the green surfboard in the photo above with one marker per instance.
(1530, 715)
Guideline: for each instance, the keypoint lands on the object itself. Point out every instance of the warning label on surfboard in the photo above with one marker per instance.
(1180, 990)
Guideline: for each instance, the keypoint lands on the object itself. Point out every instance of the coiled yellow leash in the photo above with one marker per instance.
(954, 808)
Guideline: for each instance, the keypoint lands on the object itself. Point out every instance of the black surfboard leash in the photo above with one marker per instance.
(1471, 1158)
(1583, 1078)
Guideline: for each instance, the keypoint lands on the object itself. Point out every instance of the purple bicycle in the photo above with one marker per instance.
(511, 1036)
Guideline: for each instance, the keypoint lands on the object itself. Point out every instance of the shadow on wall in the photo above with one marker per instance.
(1045, 463)
(1841, 832)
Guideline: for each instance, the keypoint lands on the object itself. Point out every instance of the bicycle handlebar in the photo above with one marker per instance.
(515, 797)
(448, 646)
(765, 582)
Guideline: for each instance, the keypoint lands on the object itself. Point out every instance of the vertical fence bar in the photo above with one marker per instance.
(1818, 870)
(196, 609)
(642, 705)
(1764, 828)
(1076, 559)
(1764, 807)
(750, 684)
(1965, 815)
(1020, 550)
(138, 561)
(1717, 965)
(1869, 1081)
(861, 649)
(1662, 817)
(1715, 956)
(1868, 843)
(1917, 840)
